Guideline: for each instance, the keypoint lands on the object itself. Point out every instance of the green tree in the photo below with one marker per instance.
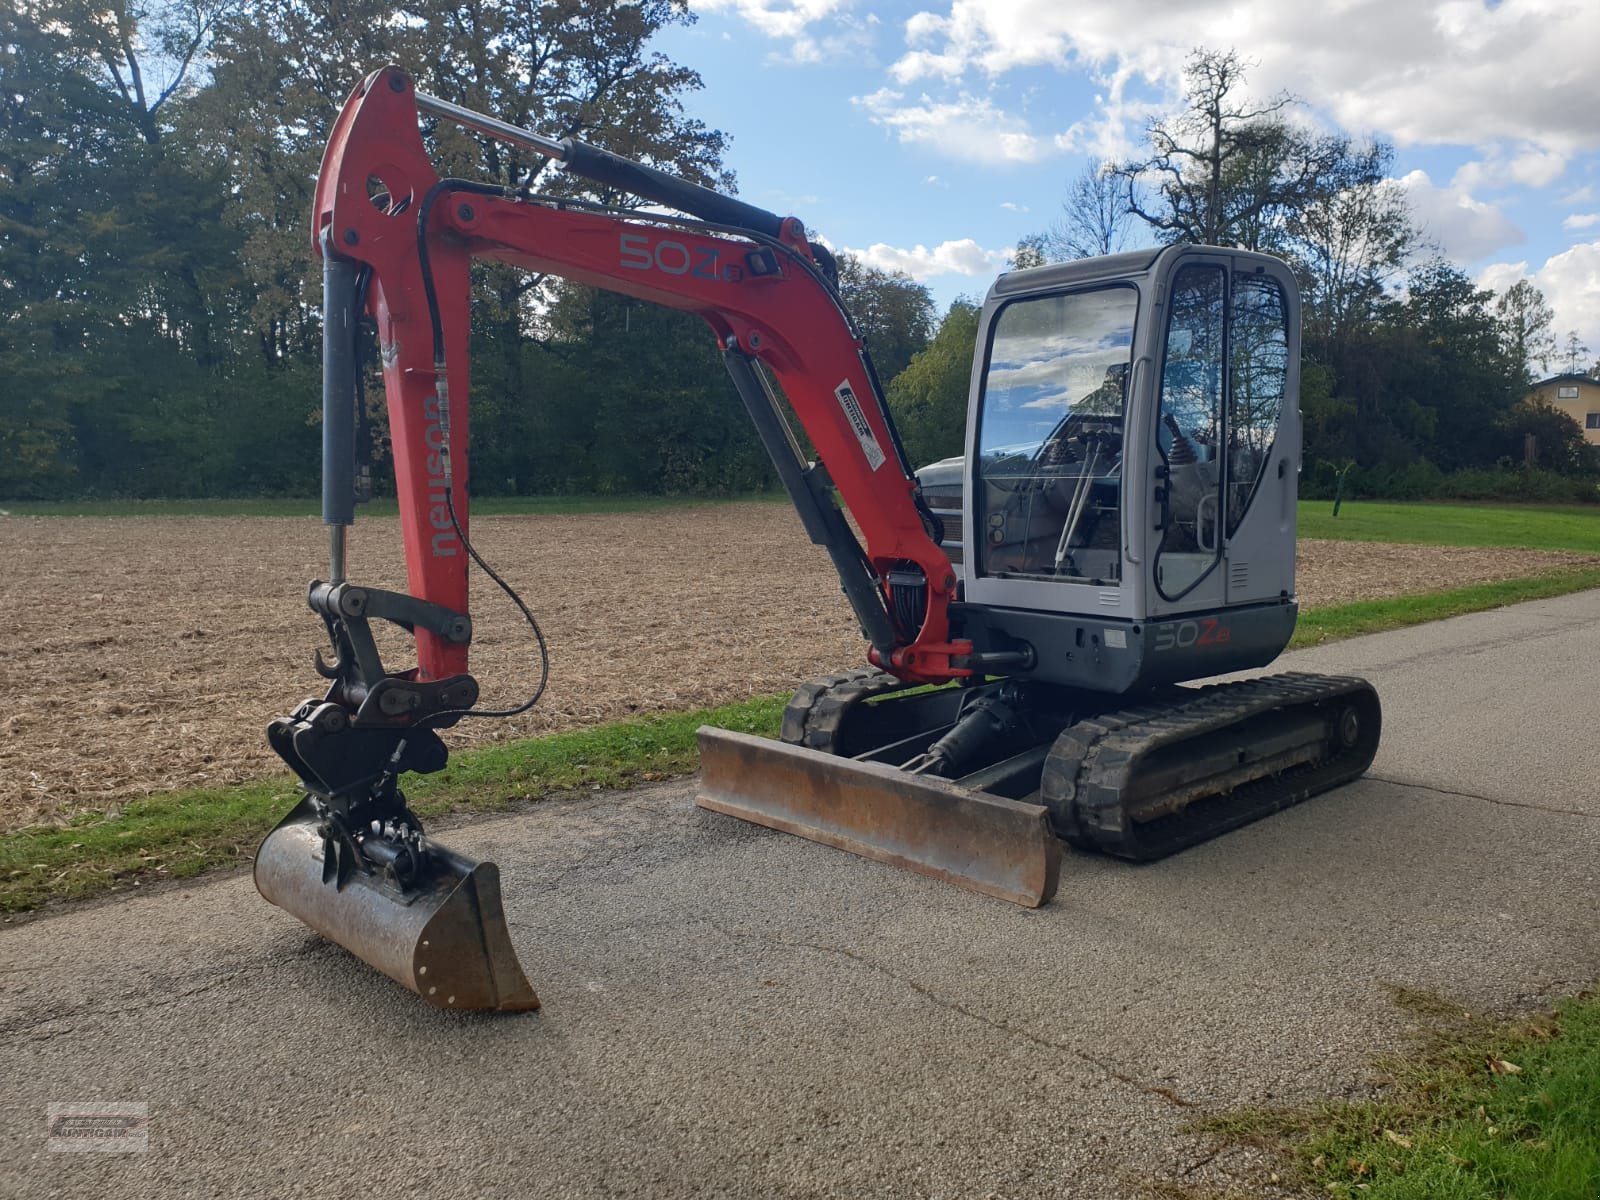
(283, 69)
(44, 94)
(639, 401)
(1032, 251)
(108, 258)
(929, 398)
(147, 51)
(1348, 244)
(1442, 355)
(892, 311)
(1558, 441)
(1525, 321)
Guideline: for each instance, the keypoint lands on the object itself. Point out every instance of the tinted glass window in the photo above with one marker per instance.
(1258, 372)
(1050, 437)
(1189, 428)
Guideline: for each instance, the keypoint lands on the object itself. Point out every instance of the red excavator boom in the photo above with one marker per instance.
(397, 243)
(765, 296)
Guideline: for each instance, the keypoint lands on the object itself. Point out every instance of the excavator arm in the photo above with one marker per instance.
(399, 240)
(397, 243)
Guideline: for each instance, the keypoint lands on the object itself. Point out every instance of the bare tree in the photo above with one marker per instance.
(1095, 216)
(1575, 351)
(1228, 171)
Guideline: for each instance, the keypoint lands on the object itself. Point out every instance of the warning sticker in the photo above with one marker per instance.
(858, 422)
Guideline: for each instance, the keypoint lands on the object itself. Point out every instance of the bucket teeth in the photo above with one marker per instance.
(443, 936)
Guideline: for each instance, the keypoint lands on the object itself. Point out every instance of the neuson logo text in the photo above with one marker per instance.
(858, 422)
(445, 542)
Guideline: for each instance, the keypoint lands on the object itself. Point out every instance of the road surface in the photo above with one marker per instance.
(734, 1012)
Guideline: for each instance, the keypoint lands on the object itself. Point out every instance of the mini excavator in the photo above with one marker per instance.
(1037, 611)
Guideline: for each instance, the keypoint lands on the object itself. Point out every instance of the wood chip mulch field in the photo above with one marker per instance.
(149, 654)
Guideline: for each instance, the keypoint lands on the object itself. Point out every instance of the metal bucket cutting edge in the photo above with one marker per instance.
(446, 940)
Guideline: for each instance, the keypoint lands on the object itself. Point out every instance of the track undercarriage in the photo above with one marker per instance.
(1138, 780)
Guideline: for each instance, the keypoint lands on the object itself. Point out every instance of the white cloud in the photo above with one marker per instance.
(1581, 195)
(963, 257)
(1530, 168)
(1581, 220)
(1009, 206)
(970, 128)
(1457, 72)
(1466, 229)
(1113, 131)
(1570, 282)
(1498, 277)
(924, 26)
(775, 18)
(817, 31)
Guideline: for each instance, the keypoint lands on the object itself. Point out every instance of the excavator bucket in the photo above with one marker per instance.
(986, 843)
(443, 935)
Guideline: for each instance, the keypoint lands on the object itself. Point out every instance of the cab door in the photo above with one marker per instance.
(1226, 447)
(1262, 463)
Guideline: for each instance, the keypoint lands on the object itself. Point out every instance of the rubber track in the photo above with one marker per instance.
(817, 711)
(1091, 764)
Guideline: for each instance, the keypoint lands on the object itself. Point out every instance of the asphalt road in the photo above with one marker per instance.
(731, 1011)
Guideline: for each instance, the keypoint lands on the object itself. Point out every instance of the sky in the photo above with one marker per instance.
(928, 136)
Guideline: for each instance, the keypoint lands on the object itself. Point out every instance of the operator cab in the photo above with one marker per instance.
(1132, 450)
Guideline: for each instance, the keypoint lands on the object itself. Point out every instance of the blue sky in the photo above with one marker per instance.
(929, 137)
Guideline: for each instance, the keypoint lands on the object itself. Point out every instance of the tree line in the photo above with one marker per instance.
(159, 301)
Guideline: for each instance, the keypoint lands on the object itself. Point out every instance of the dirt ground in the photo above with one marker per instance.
(149, 654)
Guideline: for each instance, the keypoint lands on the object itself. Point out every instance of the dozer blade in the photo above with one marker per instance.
(989, 844)
(444, 938)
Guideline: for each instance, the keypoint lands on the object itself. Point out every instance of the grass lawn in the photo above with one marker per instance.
(175, 835)
(1319, 625)
(1481, 1110)
(1535, 527)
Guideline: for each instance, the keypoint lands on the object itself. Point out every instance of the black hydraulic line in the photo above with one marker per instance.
(602, 166)
(809, 490)
(339, 317)
(436, 325)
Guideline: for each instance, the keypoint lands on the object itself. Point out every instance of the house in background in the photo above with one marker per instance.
(1576, 395)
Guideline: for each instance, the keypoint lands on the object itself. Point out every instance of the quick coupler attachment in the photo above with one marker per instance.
(420, 913)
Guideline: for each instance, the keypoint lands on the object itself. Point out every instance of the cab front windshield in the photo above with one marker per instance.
(1049, 469)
